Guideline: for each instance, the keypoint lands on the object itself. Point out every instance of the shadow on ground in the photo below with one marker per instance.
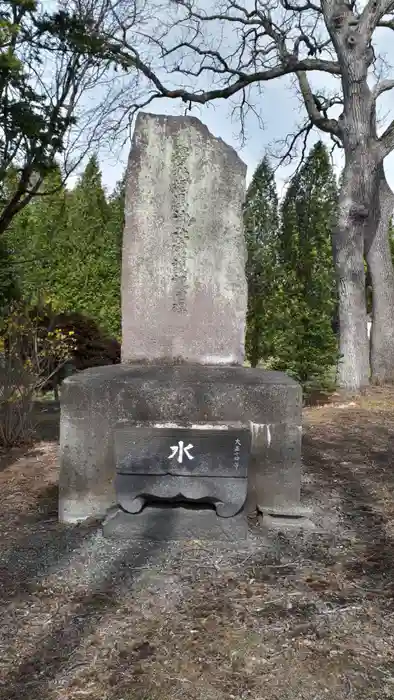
(33, 675)
(353, 455)
(46, 419)
(299, 616)
(46, 422)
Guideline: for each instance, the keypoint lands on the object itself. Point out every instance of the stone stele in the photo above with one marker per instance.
(184, 300)
(184, 292)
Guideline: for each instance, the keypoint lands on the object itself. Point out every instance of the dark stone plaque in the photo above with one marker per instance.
(200, 465)
(183, 451)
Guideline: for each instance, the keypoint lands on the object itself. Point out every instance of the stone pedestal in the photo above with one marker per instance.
(166, 522)
(95, 402)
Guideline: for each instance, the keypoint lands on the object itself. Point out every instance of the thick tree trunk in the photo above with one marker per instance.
(359, 196)
(358, 203)
(380, 265)
(348, 246)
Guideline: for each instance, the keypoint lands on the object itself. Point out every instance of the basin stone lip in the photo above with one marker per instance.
(186, 392)
(95, 401)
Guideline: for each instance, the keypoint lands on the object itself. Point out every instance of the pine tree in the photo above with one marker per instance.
(305, 344)
(92, 282)
(35, 237)
(261, 231)
(115, 224)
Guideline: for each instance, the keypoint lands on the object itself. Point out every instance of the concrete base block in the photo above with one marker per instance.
(94, 402)
(165, 523)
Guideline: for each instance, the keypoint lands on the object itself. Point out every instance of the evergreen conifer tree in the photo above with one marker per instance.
(35, 237)
(92, 260)
(66, 248)
(261, 231)
(116, 214)
(305, 344)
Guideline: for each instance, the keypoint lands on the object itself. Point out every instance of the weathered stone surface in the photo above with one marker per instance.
(184, 291)
(226, 494)
(166, 523)
(277, 450)
(96, 400)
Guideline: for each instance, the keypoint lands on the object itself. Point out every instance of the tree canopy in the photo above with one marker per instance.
(42, 78)
(66, 248)
(200, 51)
(292, 287)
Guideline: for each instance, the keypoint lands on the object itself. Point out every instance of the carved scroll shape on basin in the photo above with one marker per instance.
(133, 502)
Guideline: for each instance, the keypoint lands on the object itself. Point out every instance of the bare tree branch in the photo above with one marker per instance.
(41, 111)
(289, 67)
(312, 106)
(200, 51)
(386, 140)
(382, 87)
(288, 148)
(199, 54)
(373, 13)
(302, 7)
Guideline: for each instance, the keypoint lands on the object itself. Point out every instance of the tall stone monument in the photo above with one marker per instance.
(180, 420)
(184, 291)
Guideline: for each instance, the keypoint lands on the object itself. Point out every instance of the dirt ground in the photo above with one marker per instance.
(289, 616)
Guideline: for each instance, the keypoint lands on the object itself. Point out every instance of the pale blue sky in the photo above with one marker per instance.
(279, 110)
(281, 113)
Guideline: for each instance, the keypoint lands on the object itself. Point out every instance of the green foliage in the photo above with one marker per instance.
(91, 284)
(305, 344)
(9, 290)
(115, 223)
(92, 347)
(38, 105)
(37, 237)
(27, 115)
(67, 248)
(292, 288)
(30, 335)
(44, 340)
(261, 230)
